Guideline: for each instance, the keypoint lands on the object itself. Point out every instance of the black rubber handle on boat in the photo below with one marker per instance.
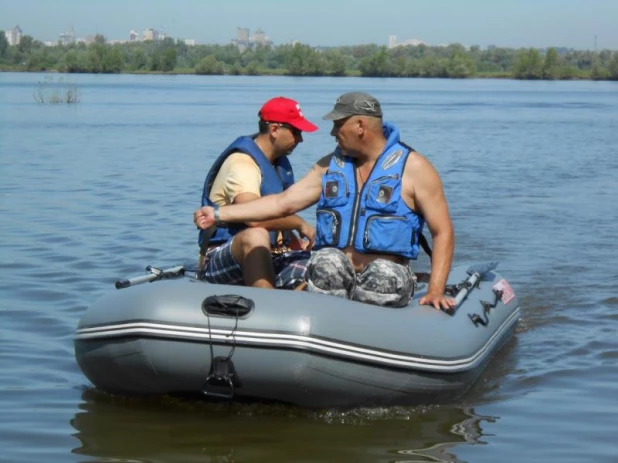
(122, 284)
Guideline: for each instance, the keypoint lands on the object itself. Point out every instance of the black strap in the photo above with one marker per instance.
(206, 240)
(222, 379)
(424, 244)
(204, 249)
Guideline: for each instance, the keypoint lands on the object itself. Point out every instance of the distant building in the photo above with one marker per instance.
(150, 34)
(66, 38)
(14, 35)
(260, 38)
(392, 42)
(243, 40)
(190, 42)
(133, 36)
(242, 34)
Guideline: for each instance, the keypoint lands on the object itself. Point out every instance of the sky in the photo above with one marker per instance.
(579, 24)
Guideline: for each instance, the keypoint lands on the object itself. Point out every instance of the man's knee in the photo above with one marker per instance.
(248, 240)
(385, 283)
(329, 271)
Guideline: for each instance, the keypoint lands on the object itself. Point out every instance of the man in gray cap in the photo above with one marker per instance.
(374, 194)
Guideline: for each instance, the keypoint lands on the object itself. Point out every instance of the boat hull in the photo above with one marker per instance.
(301, 348)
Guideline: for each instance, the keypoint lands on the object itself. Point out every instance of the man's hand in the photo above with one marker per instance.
(307, 232)
(204, 217)
(438, 300)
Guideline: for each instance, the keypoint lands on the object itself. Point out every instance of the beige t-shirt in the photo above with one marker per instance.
(238, 174)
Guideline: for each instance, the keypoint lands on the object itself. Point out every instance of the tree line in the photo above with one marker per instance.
(174, 56)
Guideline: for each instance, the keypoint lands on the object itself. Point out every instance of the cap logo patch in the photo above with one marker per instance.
(364, 105)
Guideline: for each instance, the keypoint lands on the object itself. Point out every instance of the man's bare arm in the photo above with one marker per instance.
(429, 200)
(299, 196)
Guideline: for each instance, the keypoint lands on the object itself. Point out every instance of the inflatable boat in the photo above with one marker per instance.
(178, 335)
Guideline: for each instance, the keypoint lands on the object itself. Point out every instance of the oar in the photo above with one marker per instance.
(155, 274)
(476, 272)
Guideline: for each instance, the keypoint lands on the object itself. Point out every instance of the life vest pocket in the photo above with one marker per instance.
(336, 191)
(383, 194)
(387, 233)
(328, 227)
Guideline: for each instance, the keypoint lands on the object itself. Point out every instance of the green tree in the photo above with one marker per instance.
(209, 66)
(551, 65)
(4, 44)
(432, 66)
(335, 63)
(155, 61)
(613, 66)
(376, 65)
(113, 60)
(528, 65)
(96, 55)
(460, 65)
(302, 60)
(138, 60)
(252, 68)
(74, 61)
(26, 43)
(168, 59)
(598, 72)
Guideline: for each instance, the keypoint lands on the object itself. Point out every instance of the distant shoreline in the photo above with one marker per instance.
(170, 57)
(478, 76)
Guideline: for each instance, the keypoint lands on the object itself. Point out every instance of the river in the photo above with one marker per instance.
(95, 191)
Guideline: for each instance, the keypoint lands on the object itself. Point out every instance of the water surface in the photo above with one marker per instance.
(94, 192)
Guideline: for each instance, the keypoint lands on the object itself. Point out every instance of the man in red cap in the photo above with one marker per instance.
(257, 253)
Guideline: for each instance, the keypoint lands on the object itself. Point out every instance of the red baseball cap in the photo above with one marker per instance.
(286, 110)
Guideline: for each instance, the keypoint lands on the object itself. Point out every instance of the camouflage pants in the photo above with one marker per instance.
(382, 282)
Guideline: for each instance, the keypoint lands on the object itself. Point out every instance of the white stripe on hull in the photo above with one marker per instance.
(294, 341)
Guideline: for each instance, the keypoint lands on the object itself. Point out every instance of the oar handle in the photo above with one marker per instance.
(155, 274)
(463, 292)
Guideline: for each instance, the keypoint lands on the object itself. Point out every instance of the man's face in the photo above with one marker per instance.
(343, 131)
(287, 138)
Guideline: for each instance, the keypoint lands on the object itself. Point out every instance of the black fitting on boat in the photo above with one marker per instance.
(478, 320)
(222, 379)
(231, 305)
(487, 306)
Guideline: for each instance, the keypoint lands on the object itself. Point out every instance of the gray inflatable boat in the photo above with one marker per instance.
(182, 335)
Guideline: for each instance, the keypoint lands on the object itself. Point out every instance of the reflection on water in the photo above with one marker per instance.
(117, 428)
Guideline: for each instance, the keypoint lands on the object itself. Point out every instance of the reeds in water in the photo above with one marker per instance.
(57, 91)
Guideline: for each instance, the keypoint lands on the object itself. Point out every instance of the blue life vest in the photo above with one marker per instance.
(374, 219)
(275, 179)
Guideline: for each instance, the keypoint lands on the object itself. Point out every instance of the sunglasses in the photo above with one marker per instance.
(296, 132)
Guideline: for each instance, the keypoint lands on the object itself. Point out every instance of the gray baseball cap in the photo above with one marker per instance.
(353, 104)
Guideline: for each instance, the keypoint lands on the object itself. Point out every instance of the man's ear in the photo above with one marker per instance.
(361, 125)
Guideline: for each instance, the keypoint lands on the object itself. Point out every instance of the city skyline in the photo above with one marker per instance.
(526, 23)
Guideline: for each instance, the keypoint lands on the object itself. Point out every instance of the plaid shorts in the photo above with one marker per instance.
(221, 267)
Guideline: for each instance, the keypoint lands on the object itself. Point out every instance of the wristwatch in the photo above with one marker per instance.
(218, 222)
